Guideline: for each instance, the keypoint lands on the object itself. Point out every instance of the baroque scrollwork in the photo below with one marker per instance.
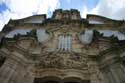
(62, 60)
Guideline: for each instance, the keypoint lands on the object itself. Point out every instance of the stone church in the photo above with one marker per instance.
(64, 48)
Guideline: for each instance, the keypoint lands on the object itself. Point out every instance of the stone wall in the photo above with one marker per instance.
(23, 59)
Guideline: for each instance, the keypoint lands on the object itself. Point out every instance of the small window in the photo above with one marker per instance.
(65, 42)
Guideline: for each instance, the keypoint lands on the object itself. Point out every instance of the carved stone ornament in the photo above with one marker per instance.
(62, 60)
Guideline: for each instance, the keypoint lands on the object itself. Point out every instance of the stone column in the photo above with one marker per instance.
(118, 73)
(7, 70)
(115, 76)
(114, 73)
(23, 76)
(95, 72)
(15, 70)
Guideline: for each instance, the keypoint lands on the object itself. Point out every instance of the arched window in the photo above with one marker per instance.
(65, 42)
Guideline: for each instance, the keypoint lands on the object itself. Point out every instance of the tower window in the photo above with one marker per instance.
(65, 42)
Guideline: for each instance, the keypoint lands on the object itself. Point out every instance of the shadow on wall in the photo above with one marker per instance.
(2, 60)
(52, 79)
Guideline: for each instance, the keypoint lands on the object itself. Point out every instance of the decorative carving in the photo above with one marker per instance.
(26, 54)
(62, 60)
(66, 14)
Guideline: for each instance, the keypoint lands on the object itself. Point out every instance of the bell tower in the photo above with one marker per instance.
(72, 14)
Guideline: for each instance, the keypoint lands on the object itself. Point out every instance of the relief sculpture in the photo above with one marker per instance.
(61, 61)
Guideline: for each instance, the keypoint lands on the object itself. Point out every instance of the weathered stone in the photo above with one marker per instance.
(25, 59)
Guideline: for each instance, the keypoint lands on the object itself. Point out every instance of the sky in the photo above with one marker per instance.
(16, 9)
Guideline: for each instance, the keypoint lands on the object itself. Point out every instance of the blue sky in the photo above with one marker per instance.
(3, 7)
(78, 4)
(16, 9)
(66, 4)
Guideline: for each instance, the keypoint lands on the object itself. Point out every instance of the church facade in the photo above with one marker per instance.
(63, 49)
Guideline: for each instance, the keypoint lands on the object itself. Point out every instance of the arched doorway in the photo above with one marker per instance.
(48, 79)
(52, 79)
(72, 80)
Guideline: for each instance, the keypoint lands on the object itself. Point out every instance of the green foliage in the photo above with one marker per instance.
(17, 36)
(32, 33)
(113, 39)
(84, 21)
(97, 34)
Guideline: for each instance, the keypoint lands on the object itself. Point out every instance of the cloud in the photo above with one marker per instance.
(47, 5)
(4, 18)
(1, 1)
(87, 11)
(84, 12)
(112, 8)
(68, 1)
(109, 8)
(22, 8)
